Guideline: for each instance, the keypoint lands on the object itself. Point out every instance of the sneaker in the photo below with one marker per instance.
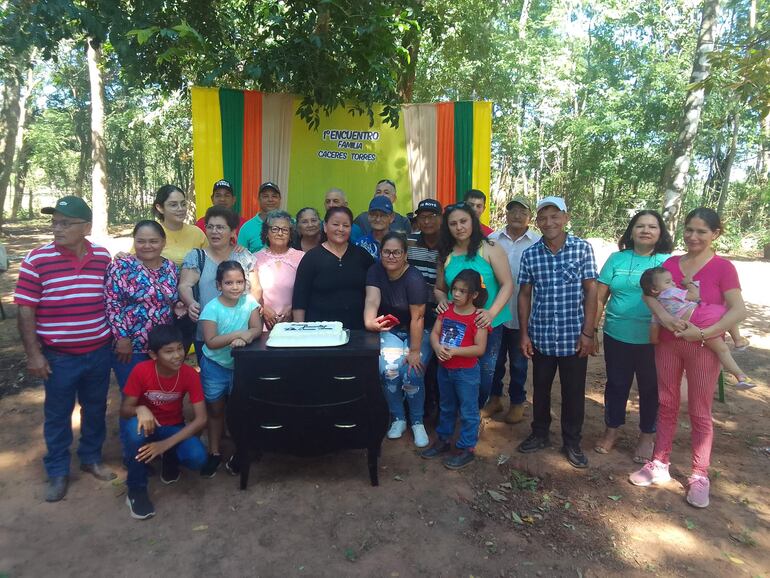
(515, 413)
(421, 439)
(57, 488)
(140, 505)
(460, 460)
(654, 472)
(533, 443)
(439, 447)
(232, 467)
(99, 471)
(575, 456)
(698, 494)
(397, 429)
(169, 467)
(209, 469)
(493, 406)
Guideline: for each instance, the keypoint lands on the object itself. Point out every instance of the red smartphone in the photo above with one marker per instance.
(391, 320)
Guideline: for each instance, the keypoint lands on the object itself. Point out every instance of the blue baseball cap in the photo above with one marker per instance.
(381, 203)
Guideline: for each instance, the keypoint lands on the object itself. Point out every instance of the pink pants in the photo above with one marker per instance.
(701, 365)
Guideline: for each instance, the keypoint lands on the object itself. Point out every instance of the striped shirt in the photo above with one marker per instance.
(418, 255)
(558, 299)
(67, 294)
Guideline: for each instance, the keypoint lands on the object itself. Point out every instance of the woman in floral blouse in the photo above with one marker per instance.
(140, 293)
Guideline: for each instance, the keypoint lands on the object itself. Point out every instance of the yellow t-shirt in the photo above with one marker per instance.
(181, 242)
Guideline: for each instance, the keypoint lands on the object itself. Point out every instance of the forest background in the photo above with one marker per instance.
(615, 105)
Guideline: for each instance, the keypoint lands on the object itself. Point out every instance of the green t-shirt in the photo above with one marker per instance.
(250, 235)
(627, 318)
(228, 320)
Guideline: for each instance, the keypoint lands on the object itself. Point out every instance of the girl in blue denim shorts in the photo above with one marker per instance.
(458, 344)
(230, 320)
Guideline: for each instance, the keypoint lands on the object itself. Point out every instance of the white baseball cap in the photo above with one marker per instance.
(557, 202)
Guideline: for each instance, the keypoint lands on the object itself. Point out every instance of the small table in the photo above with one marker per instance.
(307, 401)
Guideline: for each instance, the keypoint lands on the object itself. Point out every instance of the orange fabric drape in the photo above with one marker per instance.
(445, 146)
(252, 152)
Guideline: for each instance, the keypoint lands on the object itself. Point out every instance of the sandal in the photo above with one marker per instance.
(644, 448)
(605, 445)
(744, 383)
(741, 345)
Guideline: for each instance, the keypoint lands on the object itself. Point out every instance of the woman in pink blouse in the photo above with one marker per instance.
(276, 267)
(683, 352)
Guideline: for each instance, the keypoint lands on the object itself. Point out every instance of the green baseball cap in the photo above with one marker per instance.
(70, 206)
(519, 200)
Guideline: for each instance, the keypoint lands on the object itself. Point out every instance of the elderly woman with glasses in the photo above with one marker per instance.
(276, 267)
(396, 294)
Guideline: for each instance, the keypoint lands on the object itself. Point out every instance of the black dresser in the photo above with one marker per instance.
(307, 401)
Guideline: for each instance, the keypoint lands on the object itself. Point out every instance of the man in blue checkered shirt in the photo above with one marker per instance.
(558, 287)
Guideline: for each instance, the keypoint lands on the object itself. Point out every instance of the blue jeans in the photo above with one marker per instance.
(398, 380)
(191, 452)
(459, 393)
(86, 378)
(509, 348)
(122, 371)
(488, 362)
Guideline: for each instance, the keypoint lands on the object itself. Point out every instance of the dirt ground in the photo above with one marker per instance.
(506, 515)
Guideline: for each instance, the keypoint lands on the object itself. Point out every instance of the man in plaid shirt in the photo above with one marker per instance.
(557, 306)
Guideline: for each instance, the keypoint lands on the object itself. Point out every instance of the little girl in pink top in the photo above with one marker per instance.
(686, 305)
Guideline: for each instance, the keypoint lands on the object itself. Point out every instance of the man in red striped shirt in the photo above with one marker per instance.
(62, 322)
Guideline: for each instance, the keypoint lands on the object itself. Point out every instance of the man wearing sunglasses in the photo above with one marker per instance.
(400, 224)
(63, 326)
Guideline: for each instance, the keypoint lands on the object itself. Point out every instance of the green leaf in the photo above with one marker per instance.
(615, 498)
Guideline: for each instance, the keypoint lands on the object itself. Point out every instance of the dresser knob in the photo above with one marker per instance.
(344, 377)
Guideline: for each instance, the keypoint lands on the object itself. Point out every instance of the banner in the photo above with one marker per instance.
(438, 151)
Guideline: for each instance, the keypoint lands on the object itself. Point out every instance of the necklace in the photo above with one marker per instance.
(157, 376)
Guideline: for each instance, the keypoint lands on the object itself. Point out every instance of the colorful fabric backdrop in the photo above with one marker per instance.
(248, 137)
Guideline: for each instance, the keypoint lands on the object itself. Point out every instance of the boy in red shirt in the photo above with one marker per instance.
(152, 404)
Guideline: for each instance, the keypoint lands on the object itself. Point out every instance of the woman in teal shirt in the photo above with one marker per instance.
(462, 245)
(646, 243)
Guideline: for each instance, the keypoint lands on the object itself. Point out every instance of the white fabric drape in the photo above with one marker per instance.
(277, 122)
(421, 149)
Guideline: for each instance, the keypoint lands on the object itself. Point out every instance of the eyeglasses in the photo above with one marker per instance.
(216, 228)
(394, 254)
(66, 224)
(427, 216)
(280, 230)
(378, 215)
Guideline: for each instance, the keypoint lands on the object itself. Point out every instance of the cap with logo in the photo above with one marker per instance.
(381, 203)
(223, 184)
(269, 185)
(518, 201)
(428, 206)
(70, 206)
(557, 202)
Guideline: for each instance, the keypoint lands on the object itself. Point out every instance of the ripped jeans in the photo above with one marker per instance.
(399, 381)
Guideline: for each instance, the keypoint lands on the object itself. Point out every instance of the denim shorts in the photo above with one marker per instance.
(217, 380)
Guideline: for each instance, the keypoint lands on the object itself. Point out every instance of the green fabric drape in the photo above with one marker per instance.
(463, 147)
(231, 109)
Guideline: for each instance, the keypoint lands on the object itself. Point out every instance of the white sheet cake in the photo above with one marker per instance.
(308, 334)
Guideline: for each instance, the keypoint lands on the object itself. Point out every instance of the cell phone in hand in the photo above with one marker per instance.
(390, 320)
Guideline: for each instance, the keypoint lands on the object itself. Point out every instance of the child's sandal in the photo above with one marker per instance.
(744, 383)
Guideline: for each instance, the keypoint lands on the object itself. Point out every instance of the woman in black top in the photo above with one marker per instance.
(331, 279)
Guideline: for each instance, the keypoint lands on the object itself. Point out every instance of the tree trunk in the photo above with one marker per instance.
(678, 166)
(9, 150)
(20, 178)
(23, 123)
(98, 147)
(523, 18)
(728, 165)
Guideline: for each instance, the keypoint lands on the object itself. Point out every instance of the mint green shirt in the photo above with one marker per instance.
(250, 235)
(626, 317)
(228, 320)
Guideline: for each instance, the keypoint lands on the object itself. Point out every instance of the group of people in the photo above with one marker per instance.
(453, 303)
